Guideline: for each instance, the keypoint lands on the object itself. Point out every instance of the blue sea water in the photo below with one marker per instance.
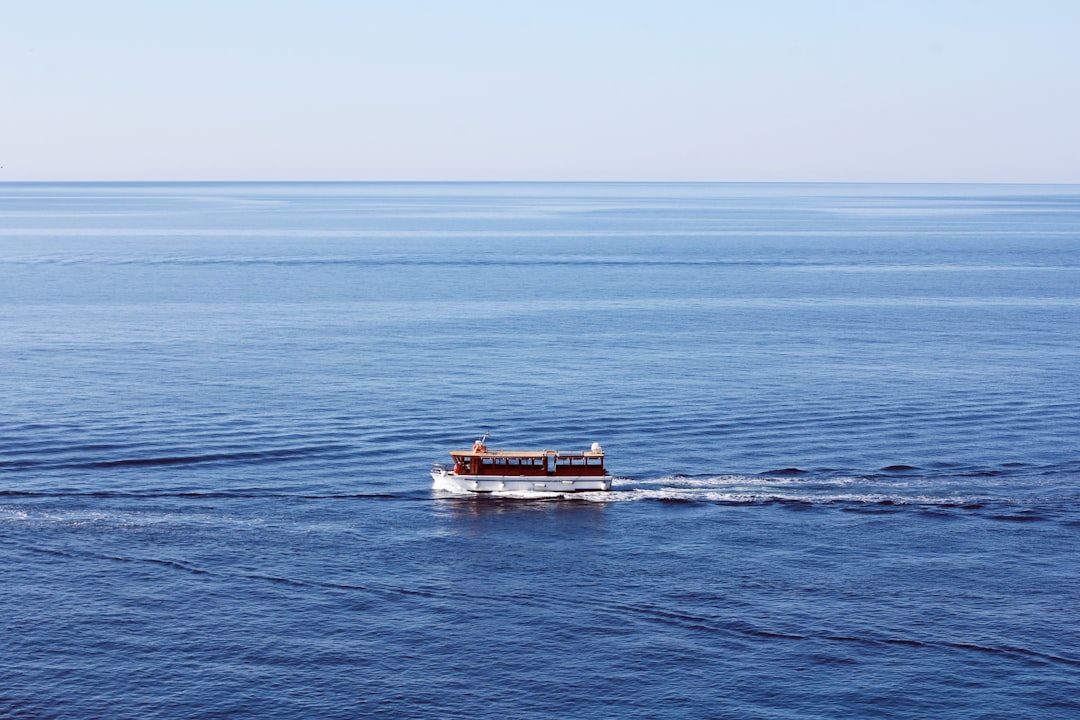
(843, 421)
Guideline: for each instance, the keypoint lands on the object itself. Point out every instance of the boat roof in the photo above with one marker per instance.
(529, 453)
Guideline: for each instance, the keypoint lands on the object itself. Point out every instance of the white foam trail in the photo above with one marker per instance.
(14, 514)
(120, 519)
(741, 489)
(679, 481)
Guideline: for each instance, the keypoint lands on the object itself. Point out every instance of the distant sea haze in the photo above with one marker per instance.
(842, 422)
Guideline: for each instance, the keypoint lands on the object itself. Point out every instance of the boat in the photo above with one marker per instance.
(480, 470)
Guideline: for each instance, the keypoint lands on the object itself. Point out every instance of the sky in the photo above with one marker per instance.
(546, 90)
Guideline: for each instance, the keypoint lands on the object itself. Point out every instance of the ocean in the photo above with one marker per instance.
(843, 423)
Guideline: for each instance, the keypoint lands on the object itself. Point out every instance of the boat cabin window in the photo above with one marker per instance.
(580, 460)
(513, 461)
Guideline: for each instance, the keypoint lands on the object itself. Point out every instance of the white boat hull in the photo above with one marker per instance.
(448, 481)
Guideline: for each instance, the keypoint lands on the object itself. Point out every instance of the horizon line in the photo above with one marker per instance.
(540, 182)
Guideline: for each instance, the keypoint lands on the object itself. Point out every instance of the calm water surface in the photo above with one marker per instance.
(844, 422)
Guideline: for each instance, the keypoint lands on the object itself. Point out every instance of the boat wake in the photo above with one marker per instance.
(871, 493)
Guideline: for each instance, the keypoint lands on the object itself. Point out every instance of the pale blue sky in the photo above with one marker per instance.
(755, 90)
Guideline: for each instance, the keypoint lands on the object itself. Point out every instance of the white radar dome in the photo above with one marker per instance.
(596, 448)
